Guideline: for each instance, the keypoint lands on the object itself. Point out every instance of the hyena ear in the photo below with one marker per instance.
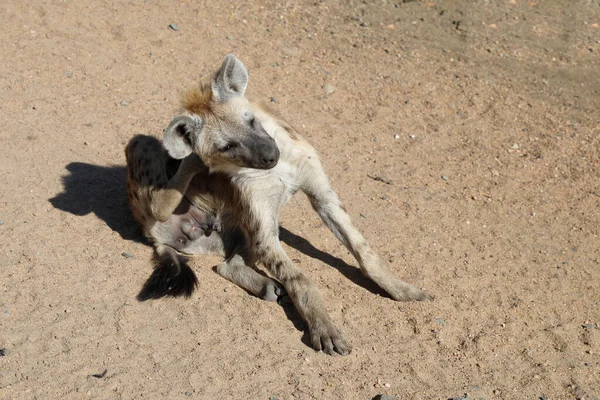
(231, 79)
(180, 136)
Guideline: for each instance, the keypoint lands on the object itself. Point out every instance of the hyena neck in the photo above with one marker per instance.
(228, 169)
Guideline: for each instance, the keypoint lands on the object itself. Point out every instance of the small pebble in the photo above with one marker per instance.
(68, 74)
(273, 100)
(229, 37)
(463, 397)
(444, 177)
(127, 255)
(412, 136)
(396, 136)
(3, 352)
(123, 103)
(328, 88)
(589, 326)
(174, 27)
(384, 397)
(101, 374)
(1, 222)
(440, 321)
(515, 146)
(387, 385)
(34, 107)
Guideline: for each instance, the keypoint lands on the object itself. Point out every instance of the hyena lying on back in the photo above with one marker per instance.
(216, 185)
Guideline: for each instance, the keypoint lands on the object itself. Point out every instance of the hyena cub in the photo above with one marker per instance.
(217, 183)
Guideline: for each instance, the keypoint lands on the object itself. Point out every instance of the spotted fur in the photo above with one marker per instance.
(240, 160)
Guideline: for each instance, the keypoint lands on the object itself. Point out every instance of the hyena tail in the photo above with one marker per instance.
(171, 277)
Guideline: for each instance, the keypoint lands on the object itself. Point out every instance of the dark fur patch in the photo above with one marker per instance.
(171, 277)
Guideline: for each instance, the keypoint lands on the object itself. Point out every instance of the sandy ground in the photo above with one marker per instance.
(483, 116)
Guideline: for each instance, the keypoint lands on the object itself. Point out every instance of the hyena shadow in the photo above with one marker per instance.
(89, 188)
(354, 274)
(101, 190)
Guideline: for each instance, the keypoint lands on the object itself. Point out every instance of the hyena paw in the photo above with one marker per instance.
(193, 163)
(210, 226)
(274, 291)
(325, 336)
(402, 291)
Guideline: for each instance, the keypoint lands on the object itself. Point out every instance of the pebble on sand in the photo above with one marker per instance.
(127, 255)
(384, 397)
(174, 27)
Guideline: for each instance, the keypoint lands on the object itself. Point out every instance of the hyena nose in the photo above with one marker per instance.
(270, 157)
(268, 160)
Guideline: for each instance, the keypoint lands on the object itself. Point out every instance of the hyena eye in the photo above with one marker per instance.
(228, 146)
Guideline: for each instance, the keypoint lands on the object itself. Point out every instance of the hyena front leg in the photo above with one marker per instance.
(329, 207)
(307, 299)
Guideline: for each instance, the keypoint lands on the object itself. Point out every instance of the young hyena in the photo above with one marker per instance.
(216, 185)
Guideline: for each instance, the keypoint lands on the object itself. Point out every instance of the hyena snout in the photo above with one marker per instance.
(269, 156)
(265, 151)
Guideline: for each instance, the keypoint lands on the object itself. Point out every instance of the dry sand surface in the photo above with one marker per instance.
(480, 117)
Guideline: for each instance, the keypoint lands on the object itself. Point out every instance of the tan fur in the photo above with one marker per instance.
(198, 100)
(254, 197)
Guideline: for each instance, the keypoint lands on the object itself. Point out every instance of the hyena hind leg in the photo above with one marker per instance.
(327, 204)
(237, 271)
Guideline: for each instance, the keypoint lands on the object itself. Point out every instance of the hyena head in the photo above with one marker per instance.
(219, 124)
